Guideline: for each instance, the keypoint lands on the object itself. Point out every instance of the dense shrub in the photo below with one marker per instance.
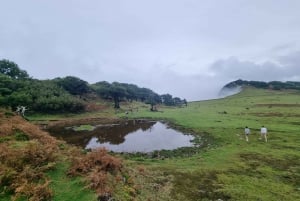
(38, 96)
(73, 85)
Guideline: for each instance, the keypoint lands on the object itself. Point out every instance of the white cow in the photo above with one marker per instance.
(21, 110)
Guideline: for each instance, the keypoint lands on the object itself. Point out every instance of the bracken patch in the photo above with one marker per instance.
(24, 163)
(100, 168)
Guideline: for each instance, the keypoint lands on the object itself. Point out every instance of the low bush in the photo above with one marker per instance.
(101, 170)
(98, 158)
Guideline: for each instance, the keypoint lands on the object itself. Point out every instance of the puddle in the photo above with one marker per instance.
(131, 136)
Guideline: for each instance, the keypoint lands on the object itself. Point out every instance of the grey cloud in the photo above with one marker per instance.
(291, 60)
(282, 68)
(167, 46)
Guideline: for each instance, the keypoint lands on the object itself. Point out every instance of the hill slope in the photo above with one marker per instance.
(231, 168)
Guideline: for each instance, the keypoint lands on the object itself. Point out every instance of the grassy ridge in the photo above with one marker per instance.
(232, 168)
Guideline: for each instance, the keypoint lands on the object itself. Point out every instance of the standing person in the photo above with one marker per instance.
(247, 133)
(263, 133)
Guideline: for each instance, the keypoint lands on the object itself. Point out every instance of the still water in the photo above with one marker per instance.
(131, 136)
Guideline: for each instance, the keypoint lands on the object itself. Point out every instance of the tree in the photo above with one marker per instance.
(12, 70)
(132, 91)
(123, 91)
(6, 83)
(167, 99)
(73, 85)
(144, 94)
(117, 91)
(185, 102)
(177, 101)
(153, 100)
(102, 89)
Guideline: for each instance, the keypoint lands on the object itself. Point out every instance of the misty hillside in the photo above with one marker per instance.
(276, 85)
(236, 86)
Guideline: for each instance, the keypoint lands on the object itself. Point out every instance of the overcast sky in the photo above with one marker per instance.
(188, 48)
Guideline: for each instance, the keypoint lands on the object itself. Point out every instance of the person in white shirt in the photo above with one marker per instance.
(263, 133)
(247, 133)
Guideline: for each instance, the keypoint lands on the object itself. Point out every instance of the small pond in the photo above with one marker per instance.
(130, 136)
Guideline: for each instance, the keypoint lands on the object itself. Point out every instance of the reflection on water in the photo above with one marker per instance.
(132, 136)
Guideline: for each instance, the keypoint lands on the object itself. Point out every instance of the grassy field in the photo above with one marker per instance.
(231, 168)
(228, 168)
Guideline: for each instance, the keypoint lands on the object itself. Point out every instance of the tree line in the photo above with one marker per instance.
(68, 94)
(275, 85)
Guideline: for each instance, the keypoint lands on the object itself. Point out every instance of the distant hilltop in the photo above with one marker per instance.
(236, 86)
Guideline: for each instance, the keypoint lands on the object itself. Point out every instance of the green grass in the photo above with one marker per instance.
(276, 174)
(67, 188)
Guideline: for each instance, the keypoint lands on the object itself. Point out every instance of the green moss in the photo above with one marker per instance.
(84, 128)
